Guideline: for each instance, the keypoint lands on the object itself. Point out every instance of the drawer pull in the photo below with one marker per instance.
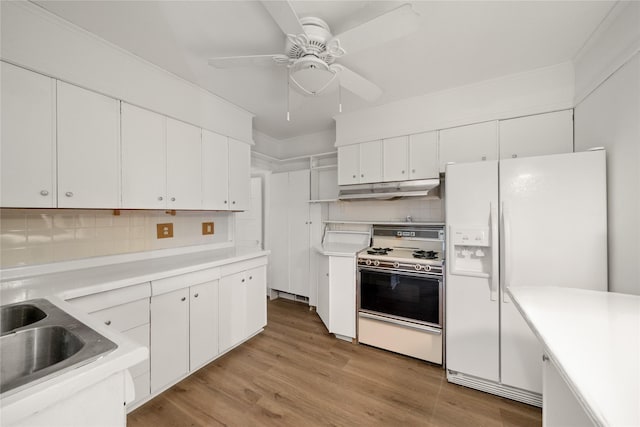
(195, 296)
(183, 299)
(250, 277)
(108, 322)
(242, 280)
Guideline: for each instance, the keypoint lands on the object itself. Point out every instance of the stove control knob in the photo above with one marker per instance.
(427, 268)
(368, 262)
(417, 267)
(376, 263)
(396, 264)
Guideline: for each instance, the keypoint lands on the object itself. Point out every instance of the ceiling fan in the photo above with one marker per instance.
(311, 50)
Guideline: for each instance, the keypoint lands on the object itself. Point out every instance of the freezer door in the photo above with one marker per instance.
(554, 233)
(472, 306)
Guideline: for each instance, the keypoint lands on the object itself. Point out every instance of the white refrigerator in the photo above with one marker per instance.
(537, 221)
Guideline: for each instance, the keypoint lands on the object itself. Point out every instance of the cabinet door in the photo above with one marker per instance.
(539, 135)
(423, 156)
(323, 290)
(371, 161)
(278, 230)
(298, 209)
(473, 143)
(88, 149)
(28, 144)
(342, 295)
(256, 291)
(349, 164)
(232, 306)
(239, 175)
(184, 175)
(203, 331)
(395, 155)
(143, 159)
(215, 171)
(169, 338)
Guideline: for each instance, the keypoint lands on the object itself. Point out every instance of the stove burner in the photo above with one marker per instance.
(425, 254)
(379, 251)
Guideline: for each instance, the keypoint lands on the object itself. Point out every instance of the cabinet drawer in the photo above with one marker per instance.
(101, 300)
(140, 335)
(126, 316)
(170, 284)
(236, 267)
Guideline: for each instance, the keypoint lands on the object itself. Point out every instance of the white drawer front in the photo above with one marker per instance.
(140, 335)
(102, 300)
(126, 316)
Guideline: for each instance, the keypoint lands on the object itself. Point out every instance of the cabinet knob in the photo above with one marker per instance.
(250, 277)
(108, 322)
(183, 299)
(173, 199)
(362, 175)
(68, 194)
(513, 156)
(403, 172)
(225, 202)
(44, 193)
(545, 357)
(233, 203)
(484, 158)
(327, 274)
(195, 295)
(413, 171)
(242, 280)
(354, 176)
(160, 198)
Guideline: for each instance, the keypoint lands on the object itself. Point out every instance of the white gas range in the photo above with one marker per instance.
(401, 288)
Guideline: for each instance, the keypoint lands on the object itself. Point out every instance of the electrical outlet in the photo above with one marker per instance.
(165, 230)
(207, 228)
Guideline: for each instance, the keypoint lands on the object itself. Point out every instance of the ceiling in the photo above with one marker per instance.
(457, 43)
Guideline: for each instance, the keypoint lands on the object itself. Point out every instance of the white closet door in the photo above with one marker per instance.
(278, 231)
(298, 207)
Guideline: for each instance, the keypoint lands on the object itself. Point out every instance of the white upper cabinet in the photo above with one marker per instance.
(143, 159)
(395, 152)
(215, 171)
(360, 163)
(371, 161)
(349, 164)
(27, 151)
(239, 175)
(88, 149)
(423, 155)
(184, 175)
(473, 143)
(542, 134)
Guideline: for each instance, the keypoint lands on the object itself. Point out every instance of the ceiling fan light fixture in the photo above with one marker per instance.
(311, 76)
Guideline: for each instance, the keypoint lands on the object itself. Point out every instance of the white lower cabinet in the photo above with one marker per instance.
(243, 310)
(169, 338)
(337, 295)
(203, 330)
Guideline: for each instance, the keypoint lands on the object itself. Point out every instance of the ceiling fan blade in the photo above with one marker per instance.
(282, 12)
(357, 84)
(246, 61)
(392, 25)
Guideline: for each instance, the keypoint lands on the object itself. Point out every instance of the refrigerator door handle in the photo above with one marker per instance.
(508, 268)
(495, 254)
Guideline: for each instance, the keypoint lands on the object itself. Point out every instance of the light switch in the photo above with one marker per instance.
(164, 230)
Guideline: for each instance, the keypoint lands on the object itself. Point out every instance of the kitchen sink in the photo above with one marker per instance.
(39, 341)
(19, 315)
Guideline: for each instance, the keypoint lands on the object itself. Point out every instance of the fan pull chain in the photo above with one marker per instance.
(288, 95)
(339, 99)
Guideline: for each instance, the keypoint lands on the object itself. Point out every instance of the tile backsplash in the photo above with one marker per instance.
(39, 236)
(388, 210)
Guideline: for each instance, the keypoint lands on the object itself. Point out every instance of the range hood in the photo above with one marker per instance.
(425, 188)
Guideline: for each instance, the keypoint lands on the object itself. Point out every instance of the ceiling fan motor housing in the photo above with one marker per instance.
(312, 42)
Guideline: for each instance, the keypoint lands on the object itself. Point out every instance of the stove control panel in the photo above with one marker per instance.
(397, 266)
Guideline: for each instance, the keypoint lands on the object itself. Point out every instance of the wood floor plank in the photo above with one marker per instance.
(296, 374)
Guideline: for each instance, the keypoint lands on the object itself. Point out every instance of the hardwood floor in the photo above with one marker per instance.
(296, 374)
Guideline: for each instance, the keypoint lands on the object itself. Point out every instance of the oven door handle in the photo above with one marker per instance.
(409, 325)
(425, 275)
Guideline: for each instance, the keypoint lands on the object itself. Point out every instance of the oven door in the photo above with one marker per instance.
(415, 297)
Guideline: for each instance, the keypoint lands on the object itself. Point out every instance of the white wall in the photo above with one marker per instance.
(607, 114)
(541, 90)
(313, 143)
(610, 117)
(38, 40)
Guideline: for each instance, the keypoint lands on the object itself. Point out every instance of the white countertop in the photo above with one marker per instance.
(85, 281)
(593, 338)
(340, 249)
(64, 285)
